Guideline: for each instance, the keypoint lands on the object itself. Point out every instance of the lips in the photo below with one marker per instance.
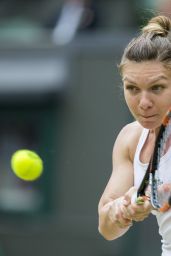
(151, 116)
(148, 118)
(149, 121)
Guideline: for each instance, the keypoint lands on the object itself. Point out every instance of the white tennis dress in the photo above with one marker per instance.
(163, 219)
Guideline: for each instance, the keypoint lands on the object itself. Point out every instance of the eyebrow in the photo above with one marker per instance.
(162, 77)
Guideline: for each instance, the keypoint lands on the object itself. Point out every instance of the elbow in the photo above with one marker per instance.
(111, 233)
(105, 227)
(104, 234)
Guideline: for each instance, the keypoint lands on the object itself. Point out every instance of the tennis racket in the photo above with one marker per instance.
(151, 187)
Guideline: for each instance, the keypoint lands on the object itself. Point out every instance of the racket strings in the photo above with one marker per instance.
(151, 178)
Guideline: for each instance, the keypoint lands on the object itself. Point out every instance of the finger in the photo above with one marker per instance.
(120, 218)
(128, 196)
(137, 212)
(142, 210)
(125, 213)
(147, 205)
(122, 221)
(128, 212)
(124, 224)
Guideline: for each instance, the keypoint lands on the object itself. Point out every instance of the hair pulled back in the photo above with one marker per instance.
(159, 25)
(153, 43)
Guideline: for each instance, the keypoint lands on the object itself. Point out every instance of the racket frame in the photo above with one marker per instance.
(149, 177)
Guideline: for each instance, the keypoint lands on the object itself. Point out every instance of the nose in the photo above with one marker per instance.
(145, 101)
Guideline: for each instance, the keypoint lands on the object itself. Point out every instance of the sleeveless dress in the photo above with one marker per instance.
(163, 219)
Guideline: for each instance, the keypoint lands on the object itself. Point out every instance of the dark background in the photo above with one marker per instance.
(64, 100)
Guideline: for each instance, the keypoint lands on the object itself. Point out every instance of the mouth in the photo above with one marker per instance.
(149, 121)
(147, 117)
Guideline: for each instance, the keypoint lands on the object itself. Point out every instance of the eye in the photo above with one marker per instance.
(157, 88)
(132, 89)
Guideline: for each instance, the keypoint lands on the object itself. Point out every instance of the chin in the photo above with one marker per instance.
(149, 125)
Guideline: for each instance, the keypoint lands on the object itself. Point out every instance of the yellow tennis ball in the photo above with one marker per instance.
(26, 164)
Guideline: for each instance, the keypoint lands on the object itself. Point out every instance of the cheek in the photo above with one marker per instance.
(130, 101)
(132, 106)
(167, 101)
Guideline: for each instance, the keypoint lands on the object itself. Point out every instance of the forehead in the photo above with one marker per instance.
(145, 71)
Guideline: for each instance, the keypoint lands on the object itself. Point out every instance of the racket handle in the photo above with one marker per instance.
(138, 199)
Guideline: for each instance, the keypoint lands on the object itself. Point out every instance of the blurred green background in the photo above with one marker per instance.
(61, 95)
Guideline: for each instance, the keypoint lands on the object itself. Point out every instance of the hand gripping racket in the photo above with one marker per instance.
(159, 194)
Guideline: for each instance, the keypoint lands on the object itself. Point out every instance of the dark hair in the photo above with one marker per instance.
(154, 43)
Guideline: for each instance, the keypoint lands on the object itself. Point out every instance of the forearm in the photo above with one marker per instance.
(111, 224)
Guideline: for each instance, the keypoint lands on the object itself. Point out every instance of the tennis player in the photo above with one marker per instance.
(145, 69)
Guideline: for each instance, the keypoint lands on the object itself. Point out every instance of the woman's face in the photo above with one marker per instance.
(147, 91)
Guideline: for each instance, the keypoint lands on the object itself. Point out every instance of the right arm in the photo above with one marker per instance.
(115, 208)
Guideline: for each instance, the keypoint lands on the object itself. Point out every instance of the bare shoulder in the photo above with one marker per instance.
(128, 138)
(133, 129)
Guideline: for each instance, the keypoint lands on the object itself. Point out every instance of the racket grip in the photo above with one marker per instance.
(138, 199)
